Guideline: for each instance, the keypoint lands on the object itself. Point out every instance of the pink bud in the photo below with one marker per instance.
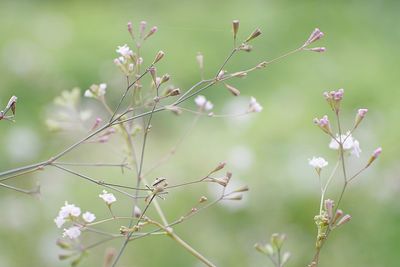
(344, 220)
(377, 152)
(318, 49)
(329, 208)
(362, 112)
(130, 28)
(143, 25)
(315, 35)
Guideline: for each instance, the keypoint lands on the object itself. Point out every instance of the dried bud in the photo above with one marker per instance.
(239, 74)
(235, 28)
(265, 249)
(344, 220)
(172, 92)
(11, 104)
(244, 188)
(203, 199)
(158, 57)
(220, 166)
(262, 65)
(315, 35)
(234, 197)
(228, 176)
(153, 73)
(374, 156)
(151, 32)
(165, 78)
(318, 49)
(245, 47)
(254, 34)
(220, 75)
(232, 89)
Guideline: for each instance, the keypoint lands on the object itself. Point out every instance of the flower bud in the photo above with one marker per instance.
(200, 60)
(143, 25)
(158, 57)
(165, 78)
(235, 28)
(315, 35)
(317, 49)
(343, 220)
(203, 199)
(151, 32)
(220, 166)
(253, 35)
(232, 89)
(374, 156)
(323, 124)
(234, 197)
(244, 188)
(11, 104)
(338, 215)
(137, 212)
(277, 240)
(130, 30)
(329, 208)
(360, 116)
(285, 258)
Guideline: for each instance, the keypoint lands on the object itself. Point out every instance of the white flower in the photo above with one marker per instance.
(254, 106)
(200, 100)
(88, 217)
(72, 232)
(124, 51)
(109, 198)
(202, 103)
(102, 89)
(69, 210)
(349, 144)
(318, 163)
(96, 90)
(59, 221)
(356, 149)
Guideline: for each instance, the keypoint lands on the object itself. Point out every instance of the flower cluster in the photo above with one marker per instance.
(70, 212)
(202, 102)
(254, 106)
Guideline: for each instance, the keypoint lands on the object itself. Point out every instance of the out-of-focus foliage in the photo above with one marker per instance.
(50, 46)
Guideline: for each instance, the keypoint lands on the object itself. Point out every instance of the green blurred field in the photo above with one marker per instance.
(50, 46)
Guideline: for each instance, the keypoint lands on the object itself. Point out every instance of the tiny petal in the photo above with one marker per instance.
(109, 198)
(72, 232)
(88, 217)
(59, 220)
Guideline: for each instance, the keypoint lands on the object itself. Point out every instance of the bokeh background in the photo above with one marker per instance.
(50, 46)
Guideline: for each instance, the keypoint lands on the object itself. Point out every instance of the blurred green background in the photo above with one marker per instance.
(50, 46)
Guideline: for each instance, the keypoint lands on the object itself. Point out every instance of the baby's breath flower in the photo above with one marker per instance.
(109, 198)
(88, 217)
(59, 220)
(317, 162)
(254, 106)
(96, 90)
(203, 103)
(349, 144)
(124, 51)
(72, 232)
(69, 210)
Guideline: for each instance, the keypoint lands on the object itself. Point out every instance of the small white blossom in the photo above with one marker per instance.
(72, 232)
(88, 217)
(69, 210)
(96, 90)
(254, 106)
(59, 221)
(318, 162)
(200, 100)
(109, 198)
(202, 103)
(349, 144)
(124, 51)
